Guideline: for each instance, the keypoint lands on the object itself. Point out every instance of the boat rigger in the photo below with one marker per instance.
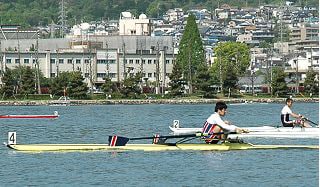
(151, 147)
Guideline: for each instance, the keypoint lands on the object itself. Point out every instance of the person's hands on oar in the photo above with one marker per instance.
(241, 130)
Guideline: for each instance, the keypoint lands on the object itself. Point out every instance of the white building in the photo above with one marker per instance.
(129, 25)
(116, 57)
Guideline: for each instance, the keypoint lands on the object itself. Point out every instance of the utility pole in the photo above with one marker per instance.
(19, 58)
(141, 68)
(62, 18)
(38, 64)
(91, 71)
(271, 73)
(220, 74)
(281, 32)
(107, 60)
(124, 60)
(252, 77)
(164, 69)
(311, 63)
(141, 59)
(157, 70)
(72, 61)
(57, 63)
(1, 63)
(297, 78)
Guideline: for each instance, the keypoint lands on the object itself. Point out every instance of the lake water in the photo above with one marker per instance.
(94, 123)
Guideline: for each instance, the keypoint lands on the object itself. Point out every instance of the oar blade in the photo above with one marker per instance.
(117, 141)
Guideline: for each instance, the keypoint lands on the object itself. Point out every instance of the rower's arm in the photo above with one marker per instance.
(295, 115)
(223, 125)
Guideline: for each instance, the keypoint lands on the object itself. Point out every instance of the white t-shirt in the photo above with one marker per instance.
(286, 110)
(216, 119)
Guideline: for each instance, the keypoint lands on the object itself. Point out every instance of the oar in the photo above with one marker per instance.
(311, 121)
(122, 141)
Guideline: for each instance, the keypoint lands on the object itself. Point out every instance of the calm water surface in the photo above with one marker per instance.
(93, 124)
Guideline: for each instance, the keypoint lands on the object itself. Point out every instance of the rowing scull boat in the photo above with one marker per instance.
(55, 115)
(151, 147)
(266, 131)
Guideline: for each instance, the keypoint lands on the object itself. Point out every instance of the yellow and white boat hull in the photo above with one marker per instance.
(151, 147)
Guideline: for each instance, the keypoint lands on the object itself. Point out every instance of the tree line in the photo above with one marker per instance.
(30, 13)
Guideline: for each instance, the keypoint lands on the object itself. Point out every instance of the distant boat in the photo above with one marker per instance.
(55, 115)
(62, 101)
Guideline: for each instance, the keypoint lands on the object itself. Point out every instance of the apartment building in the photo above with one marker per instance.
(304, 32)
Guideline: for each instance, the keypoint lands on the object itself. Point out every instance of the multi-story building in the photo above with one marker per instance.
(304, 32)
(305, 35)
(116, 57)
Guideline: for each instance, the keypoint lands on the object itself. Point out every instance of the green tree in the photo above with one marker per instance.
(59, 84)
(191, 53)
(21, 80)
(27, 81)
(69, 83)
(107, 86)
(232, 62)
(131, 86)
(76, 87)
(177, 81)
(278, 84)
(9, 83)
(204, 81)
(265, 45)
(311, 84)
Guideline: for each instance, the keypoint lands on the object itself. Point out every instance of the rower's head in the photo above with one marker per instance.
(221, 108)
(289, 102)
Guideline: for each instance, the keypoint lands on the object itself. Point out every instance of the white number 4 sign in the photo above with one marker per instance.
(12, 139)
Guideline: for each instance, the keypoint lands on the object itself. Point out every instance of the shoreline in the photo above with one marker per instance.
(155, 101)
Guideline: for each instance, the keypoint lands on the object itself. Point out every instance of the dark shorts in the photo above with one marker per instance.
(287, 124)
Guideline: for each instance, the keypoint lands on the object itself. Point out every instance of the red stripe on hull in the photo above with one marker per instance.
(113, 141)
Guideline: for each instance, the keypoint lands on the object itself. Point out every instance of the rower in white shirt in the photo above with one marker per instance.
(286, 112)
(214, 124)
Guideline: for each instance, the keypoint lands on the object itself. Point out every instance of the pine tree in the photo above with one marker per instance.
(191, 53)
(177, 81)
(107, 86)
(59, 84)
(27, 81)
(131, 86)
(9, 83)
(76, 87)
(204, 81)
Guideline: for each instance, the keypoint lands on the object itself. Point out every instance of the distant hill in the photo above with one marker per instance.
(43, 12)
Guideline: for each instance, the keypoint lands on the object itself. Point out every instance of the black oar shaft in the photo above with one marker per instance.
(312, 122)
(173, 136)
